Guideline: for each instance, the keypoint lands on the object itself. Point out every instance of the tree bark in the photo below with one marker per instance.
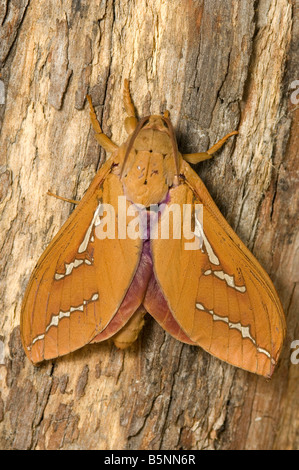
(217, 66)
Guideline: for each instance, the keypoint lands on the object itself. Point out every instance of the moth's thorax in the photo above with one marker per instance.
(150, 168)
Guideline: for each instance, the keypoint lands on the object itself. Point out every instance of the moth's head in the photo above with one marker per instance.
(154, 134)
(156, 122)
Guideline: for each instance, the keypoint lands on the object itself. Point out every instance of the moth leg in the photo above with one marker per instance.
(102, 138)
(71, 201)
(130, 121)
(200, 157)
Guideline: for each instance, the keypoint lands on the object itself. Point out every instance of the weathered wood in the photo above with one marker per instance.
(216, 66)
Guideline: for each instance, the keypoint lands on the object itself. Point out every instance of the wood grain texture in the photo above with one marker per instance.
(216, 67)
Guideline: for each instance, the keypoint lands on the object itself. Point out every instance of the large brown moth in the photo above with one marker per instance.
(92, 284)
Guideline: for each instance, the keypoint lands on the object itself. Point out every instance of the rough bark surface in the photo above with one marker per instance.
(217, 66)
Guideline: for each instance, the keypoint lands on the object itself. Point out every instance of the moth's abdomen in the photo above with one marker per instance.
(131, 330)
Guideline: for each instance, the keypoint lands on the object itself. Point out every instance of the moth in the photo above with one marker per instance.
(88, 287)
